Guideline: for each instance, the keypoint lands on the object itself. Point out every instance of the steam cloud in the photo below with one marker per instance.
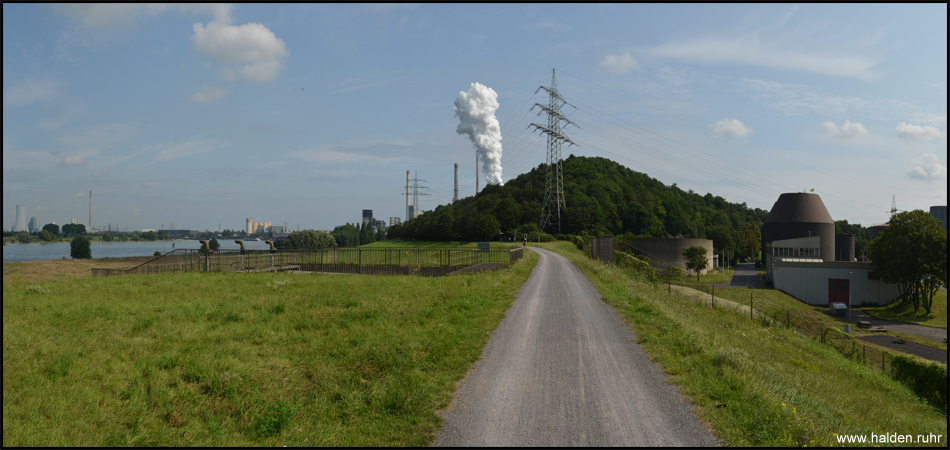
(476, 112)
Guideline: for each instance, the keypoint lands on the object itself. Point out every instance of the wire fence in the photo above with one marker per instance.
(801, 322)
(371, 261)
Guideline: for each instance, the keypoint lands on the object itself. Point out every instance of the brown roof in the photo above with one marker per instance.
(799, 207)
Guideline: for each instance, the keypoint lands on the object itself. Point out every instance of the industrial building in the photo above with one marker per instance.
(253, 227)
(34, 225)
(670, 251)
(805, 258)
(940, 212)
(20, 224)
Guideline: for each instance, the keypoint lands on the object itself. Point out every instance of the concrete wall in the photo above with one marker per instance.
(671, 250)
(808, 282)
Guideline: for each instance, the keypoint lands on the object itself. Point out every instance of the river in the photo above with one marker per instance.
(36, 251)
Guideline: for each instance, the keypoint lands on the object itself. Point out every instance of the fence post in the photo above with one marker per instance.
(750, 306)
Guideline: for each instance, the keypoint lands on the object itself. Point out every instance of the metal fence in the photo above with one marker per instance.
(802, 324)
(371, 261)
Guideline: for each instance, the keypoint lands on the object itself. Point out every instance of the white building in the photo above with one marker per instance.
(796, 268)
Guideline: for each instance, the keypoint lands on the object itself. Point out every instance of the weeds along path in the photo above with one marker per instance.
(563, 369)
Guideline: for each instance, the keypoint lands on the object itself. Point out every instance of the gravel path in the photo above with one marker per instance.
(562, 369)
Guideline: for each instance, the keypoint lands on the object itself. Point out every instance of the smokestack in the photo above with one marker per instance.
(90, 211)
(476, 112)
(407, 196)
(456, 197)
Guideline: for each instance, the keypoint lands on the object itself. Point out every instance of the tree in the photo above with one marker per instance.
(366, 234)
(73, 229)
(346, 235)
(79, 248)
(695, 257)
(24, 237)
(912, 253)
(107, 237)
(52, 228)
(46, 235)
(307, 239)
(214, 244)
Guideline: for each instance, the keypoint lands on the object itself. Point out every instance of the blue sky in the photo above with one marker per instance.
(200, 116)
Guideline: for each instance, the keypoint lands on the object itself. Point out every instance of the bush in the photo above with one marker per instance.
(928, 379)
(24, 237)
(79, 248)
(635, 264)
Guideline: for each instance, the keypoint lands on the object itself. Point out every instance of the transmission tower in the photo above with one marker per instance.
(894, 209)
(415, 196)
(554, 178)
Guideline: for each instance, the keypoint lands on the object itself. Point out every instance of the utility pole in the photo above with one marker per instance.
(554, 179)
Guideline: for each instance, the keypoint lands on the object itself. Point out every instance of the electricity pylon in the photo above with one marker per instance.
(554, 178)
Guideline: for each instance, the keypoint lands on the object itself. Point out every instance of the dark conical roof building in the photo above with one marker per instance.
(797, 215)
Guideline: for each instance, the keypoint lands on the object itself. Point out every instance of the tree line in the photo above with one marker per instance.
(602, 197)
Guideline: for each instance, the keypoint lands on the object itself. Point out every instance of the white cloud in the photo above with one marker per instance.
(104, 171)
(249, 52)
(727, 128)
(73, 161)
(619, 63)
(81, 194)
(108, 15)
(927, 167)
(772, 49)
(208, 94)
(919, 133)
(846, 131)
(91, 140)
(191, 147)
(30, 90)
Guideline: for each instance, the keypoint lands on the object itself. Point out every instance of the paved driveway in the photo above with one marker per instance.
(934, 334)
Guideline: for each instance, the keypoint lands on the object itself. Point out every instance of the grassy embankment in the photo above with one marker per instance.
(904, 312)
(758, 385)
(214, 359)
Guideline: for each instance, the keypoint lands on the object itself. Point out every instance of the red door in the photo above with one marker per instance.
(838, 291)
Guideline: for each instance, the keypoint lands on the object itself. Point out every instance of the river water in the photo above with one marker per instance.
(36, 251)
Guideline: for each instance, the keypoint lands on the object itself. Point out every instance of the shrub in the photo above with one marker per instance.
(927, 379)
(79, 248)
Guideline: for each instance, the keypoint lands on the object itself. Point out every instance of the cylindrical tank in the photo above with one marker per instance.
(877, 229)
(250, 225)
(797, 215)
(844, 247)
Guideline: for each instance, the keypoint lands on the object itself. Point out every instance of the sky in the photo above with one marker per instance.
(201, 116)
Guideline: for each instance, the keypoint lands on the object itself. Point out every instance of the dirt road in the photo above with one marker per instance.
(563, 370)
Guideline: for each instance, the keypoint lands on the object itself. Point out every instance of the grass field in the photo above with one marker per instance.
(215, 359)
(904, 312)
(758, 385)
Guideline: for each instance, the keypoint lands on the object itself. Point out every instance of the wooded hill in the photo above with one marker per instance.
(602, 197)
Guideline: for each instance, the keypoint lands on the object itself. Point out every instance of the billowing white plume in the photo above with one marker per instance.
(476, 112)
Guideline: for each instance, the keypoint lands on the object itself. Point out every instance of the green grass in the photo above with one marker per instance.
(758, 385)
(214, 359)
(904, 312)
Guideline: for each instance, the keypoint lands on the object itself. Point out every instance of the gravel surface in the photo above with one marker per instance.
(563, 369)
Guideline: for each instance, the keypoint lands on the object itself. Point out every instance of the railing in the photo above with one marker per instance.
(375, 261)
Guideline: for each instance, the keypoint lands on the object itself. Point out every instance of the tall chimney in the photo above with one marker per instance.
(90, 211)
(456, 197)
(407, 196)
